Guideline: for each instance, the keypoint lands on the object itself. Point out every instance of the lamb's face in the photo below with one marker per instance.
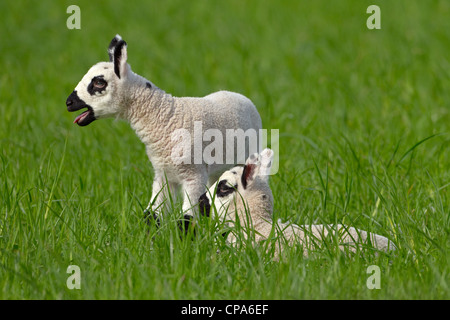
(97, 92)
(248, 183)
(217, 199)
(100, 90)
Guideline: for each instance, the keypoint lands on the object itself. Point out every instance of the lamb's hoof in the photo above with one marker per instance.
(186, 224)
(151, 218)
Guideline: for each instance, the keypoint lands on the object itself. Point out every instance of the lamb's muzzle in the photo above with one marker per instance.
(74, 103)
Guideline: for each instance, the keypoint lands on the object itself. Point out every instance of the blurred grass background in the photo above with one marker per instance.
(364, 139)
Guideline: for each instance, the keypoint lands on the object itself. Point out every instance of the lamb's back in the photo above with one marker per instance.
(227, 102)
(221, 110)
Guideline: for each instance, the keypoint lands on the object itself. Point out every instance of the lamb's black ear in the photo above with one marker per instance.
(251, 169)
(112, 46)
(117, 51)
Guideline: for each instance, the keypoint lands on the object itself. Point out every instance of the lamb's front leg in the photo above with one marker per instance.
(162, 192)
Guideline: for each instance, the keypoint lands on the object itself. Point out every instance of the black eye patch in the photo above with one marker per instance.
(223, 189)
(98, 84)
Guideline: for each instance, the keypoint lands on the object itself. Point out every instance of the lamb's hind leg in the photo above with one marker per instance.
(356, 237)
(348, 237)
(192, 189)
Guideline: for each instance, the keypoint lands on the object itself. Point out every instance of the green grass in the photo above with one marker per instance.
(364, 140)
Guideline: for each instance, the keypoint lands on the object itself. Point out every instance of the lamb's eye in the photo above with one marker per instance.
(99, 83)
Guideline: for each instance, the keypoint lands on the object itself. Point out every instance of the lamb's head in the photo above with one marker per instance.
(241, 188)
(101, 89)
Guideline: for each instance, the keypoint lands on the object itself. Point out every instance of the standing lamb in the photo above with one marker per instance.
(243, 194)
(112, 89)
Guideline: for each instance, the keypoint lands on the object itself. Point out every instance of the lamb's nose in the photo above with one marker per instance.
(71, 100)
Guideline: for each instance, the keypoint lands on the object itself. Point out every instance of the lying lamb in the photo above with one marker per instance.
(243, 194)
(111, 89)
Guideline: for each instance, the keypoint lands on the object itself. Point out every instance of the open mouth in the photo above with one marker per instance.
(74, 103)
(85, 118)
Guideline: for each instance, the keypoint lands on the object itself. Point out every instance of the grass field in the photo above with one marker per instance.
(364, 122)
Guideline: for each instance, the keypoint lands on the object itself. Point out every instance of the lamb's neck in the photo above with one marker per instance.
(149, 111)
(263, 226)
(259, 220)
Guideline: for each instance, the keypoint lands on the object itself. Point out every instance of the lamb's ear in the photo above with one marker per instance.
(251, 169)
(112, 46)
(117, 51)
(266, 157)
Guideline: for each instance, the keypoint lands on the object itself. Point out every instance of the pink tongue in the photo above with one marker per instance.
(80, 117)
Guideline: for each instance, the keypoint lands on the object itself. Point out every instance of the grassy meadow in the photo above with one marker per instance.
(364, 123)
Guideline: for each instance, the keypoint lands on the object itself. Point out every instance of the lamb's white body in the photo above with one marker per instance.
(156, 115)
(111, 89)
(252, 206)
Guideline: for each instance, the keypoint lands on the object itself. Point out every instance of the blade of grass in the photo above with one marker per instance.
(415, 146)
